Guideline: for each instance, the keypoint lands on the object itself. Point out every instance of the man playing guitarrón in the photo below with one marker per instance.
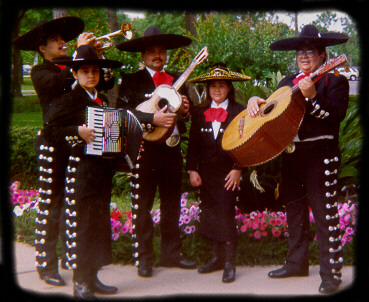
(309, 171)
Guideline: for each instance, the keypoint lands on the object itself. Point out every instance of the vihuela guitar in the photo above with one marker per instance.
(168, 95)
(251, 141)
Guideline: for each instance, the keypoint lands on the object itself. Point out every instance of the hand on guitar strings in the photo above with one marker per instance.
(164, 119)
(253, 105)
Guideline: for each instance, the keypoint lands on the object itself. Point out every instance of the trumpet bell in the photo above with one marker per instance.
(125, 31)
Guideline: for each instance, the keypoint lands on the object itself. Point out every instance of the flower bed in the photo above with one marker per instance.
(263, 234)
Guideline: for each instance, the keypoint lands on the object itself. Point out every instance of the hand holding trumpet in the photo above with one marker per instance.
(88, 38)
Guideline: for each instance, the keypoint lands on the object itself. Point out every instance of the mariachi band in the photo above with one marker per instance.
(83, 141)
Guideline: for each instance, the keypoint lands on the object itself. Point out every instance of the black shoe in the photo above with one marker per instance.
(285, 272)
(328, 287)
(215, 264)
(53, 279)
(144, 270)
(229, 274)
(179, 262)
(98, 287)
(82, 292)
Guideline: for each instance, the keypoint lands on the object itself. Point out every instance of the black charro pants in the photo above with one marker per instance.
(309, 179)
(52, 161)
(158, 167)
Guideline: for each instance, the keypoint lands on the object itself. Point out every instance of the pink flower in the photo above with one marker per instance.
(254, 225)
(349, 231)
(243, 228)
(272, 222)
(276, 232)
(257, 234)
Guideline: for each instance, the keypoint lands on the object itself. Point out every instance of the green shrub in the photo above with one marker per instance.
(23, 162)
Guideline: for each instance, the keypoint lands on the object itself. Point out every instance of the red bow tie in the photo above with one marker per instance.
(160, 78)
(215, 114)
(97, 100)
(61, 66)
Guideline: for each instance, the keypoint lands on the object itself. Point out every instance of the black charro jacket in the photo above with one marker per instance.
(51, 83)
(332, 98)
(202, 147)
(68, 115)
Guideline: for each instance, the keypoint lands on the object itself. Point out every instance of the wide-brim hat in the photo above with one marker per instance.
(310, 36)
(86, 55)
(68, 27)
(152, 36)
(220, 71)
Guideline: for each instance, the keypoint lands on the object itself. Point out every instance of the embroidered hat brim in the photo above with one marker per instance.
(220, 73)
(310, 36)
(154, 37)
(68, 27)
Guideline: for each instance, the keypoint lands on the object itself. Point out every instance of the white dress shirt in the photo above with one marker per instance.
(216, 124)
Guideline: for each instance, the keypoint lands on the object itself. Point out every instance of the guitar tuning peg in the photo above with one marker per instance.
(336, 72)
(347, 69)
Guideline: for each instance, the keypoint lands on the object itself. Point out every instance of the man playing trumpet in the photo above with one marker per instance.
(51, 82)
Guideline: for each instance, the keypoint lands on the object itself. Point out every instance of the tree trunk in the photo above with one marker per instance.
(113, 26)
(17, 74)
(190, 19)
(59, 12)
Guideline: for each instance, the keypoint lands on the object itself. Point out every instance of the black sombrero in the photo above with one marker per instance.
(220, 71)
(68, 27)
(152, 37)
(86, 55)
(310, 36)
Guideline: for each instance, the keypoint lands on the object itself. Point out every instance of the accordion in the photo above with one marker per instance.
(118, 135)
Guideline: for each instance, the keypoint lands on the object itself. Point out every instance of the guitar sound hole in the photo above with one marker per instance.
(269, 108)
(162, 103)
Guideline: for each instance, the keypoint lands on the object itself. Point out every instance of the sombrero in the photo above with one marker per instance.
(310, 36)
(68, 27)
(152, 36)
(219, 71)
(86, 55)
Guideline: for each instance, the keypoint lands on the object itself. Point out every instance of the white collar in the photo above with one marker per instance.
(92, 96)
(223, 104)
(152, 71)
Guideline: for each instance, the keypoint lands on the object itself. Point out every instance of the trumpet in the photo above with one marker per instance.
(125, 31)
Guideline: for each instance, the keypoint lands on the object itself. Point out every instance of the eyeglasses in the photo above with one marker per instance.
(309, 53)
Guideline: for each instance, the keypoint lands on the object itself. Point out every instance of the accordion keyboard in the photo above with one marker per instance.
(95, 120)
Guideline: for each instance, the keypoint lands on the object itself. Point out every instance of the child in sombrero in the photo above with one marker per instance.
(212, 169)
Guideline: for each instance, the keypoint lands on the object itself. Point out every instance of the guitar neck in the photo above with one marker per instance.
(184, 76)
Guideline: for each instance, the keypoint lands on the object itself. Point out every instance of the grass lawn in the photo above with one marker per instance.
(26, 119)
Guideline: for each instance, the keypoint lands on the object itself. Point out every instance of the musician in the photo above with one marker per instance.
(88, 177)
(310, 169)
(159, 165)
(51, 82)
(213, 171)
